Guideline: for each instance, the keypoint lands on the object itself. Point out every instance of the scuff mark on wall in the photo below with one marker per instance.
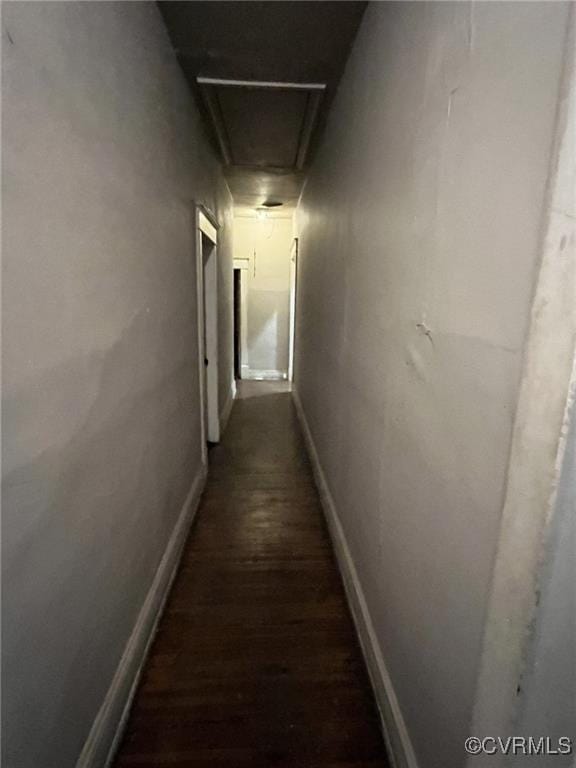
(471, 27)
(423, 328)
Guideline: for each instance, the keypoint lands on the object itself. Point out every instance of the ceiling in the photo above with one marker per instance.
(263, 74)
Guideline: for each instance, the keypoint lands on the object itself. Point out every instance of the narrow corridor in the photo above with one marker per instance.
(256, 661)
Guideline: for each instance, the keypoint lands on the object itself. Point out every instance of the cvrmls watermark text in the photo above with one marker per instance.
(518, 745)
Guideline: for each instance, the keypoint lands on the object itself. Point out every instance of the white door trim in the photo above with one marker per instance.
(293, 288)
(205, 224)
(243, 265)
(207, 306)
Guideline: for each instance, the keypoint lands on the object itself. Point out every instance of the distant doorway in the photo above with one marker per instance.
(241, 367)
(237, 322)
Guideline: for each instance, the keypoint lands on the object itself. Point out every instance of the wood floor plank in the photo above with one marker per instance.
(256, 662)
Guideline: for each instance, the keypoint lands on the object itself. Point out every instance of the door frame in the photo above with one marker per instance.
(237, 324)
(207, 314)
(244, 266)
(293, 289)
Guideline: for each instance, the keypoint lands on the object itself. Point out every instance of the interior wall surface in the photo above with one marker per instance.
(266, 244)
(419, 233)
(103, 160)
(225, 216)
(547, 696)
(527, 680)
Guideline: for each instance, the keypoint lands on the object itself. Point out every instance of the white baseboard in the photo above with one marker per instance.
(106, 731)
(393, 725)
(225, 414)
(265, 375)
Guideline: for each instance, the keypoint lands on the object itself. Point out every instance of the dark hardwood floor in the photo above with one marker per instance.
(256, 662)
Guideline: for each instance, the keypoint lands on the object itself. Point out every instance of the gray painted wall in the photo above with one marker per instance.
(547, 697)
(526, 679)
(419, 242)
(547, 700)
(102, 158)
(224, 212)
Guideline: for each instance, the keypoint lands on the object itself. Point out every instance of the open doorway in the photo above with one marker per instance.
(207, 297)
(241, 367)
(237, 323)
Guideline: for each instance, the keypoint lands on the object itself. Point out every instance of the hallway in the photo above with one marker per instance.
(256, 661)
(372, 201)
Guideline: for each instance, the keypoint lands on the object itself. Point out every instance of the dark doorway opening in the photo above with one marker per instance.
(237, 316)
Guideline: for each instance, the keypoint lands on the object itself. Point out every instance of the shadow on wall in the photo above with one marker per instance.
(73, 513)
